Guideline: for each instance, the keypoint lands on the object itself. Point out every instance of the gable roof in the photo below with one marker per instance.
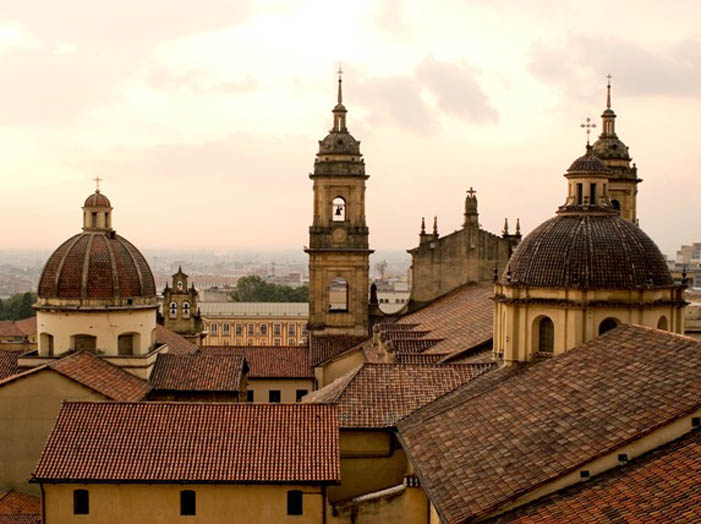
(28, 326)
(96, 374)
(198, 372)
(14, 502)
(326, 347)
(176, 343)
(8, 363)
(270, 361)
(659, 486)
(522, 428)
(9, 328)
(376, 395)
(192, 442)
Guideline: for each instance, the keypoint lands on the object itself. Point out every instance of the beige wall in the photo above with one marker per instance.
(105, 325)
(338, 367)
(287, 386)
(160, 504)
(28, 409)
(403, 506)
(257, 339)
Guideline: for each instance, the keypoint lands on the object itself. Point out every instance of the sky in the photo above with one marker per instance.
(202, 117)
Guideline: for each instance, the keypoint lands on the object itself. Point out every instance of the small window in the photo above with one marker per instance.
(186, 310)
(592, 194)
(214, 328)
(338, 295)
(125, 344)
(251, 342)
(300, 393)
(239, 330)
(173, 310)
(274, 396)
(179, 285)
(304, 330)
(94, 219)
(616, 204)
(250, 396)
(579, 194)
(277, 330)
(84, 343)
(225, 329)
(607, 325)
(291, 342)
(291, 329)
(81, 502)
(188, 502)
(294, 502)
(339, 210)
(662, 323)
(251, 329)
(546, 335)
(264, 329)
(276, 342)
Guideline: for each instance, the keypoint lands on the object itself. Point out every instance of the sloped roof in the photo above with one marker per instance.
(198, 372)
(8, 363)
(661, 486)
(270, 361)
(28, 326)
(377, 395)
(9, 328)
(326, 347)
(192, 442)
(176, 343)
(521, 428)
(96, 374)
(14, 502)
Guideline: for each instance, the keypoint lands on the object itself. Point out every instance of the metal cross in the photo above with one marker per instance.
(471, 192)
(340, 71)
(97, 182)
(588, 126)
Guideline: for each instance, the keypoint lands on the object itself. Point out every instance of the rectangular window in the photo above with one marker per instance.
(294, 502)
(214, 328)
(81, 502)
(592, 194)
(300, 393)
(188, 502)
(225, 328)
(277, 330)
(251, 329)
(304, 330)
(274, 396)
(264, 329)
(249, 396)
(291, 329)
(579, 193)
(291, 342)
(239, 330)
(276, 342)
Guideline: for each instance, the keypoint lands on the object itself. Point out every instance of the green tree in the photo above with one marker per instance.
(17, 307)
(255, 289)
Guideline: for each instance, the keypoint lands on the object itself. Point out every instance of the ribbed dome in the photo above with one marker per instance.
(610, 147)
(97, 266)
(97, 199)
(588, 163)
(339, 143)
(590, 251)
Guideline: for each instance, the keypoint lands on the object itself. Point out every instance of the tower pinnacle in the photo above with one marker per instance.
(340, 85)
(608, 92)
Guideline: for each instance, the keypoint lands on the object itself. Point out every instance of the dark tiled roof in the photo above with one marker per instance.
(96, 265)
(325, 347)
(192, 442)
(13, 503)
(377, 395)
(270, 361)
(661, 486)
(520, 428)
(417, 358)
(19, 518)
(410, 345)
(588, 251)
(8, 363)
(97, 199)
(198, 372)
(588, 163)
(176, 343)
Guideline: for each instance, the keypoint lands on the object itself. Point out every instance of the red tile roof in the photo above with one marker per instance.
(15, 502)
(377, 395)
(20, 518)
(96, 374)
(192, 442)
(9, 328)
(28, 326)
(325, 347)
(270, 361)
(661, 486)
(176, 343)
(520, 428)
(199, 372)
(8, 363)
(417, 358)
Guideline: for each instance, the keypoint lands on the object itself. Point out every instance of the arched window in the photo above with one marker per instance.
(186, 310)
(46, 344)
(84, 343)
(179, 285)
(616, 204)
(125, 344)
(173, 310)
(546, 335)
(662, 323)
(338, 209)
(608, 324)
(338, 295)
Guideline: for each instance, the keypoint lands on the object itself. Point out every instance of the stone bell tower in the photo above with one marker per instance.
(180, 311)
(338, 249)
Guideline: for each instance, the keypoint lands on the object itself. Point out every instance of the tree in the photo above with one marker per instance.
(17, 307)
(255, 289)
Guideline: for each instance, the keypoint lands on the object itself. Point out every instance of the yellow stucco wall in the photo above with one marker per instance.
(105, 325)
(28, 409)
(160, 504)
(338, 367)
(287, 386)
(409, 506)
(230, 338)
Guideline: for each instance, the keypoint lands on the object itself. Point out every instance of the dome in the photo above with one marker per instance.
(97, 266)
(588, 163)
(339, 143)
(590, 251)
(97, 199)
(611, 148)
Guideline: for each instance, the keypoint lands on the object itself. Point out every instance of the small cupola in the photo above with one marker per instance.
(97, 211)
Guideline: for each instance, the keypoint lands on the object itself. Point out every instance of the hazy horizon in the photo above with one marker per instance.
(202, 118)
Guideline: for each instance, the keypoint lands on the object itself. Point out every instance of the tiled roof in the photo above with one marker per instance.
(20, 518)
(96, 266)
(176, 344)
(661, 486)
(97, 199)
(270, 361)
(198, 372)
(8, 328)
(8, 363)
(463, 318)
(521, 428)
(15, 502)
(588, 251)
(377, 395)
(192, 442)
(28, 326)
(410, 345)
(295, 310)
(417, 358)
(325, 347)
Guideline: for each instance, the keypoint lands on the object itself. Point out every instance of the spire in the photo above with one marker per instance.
(339, 112)
(423, 225)
(506, 226)
(608, 92)
(340, 85)
(518, 226)
(435, 226)
(608, 117)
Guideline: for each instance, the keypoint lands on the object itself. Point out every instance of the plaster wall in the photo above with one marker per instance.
(287, 386)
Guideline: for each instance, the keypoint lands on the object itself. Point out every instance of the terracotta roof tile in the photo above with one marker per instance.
(506, 428)
(270, 361)
(8, 363)
(417, 358)
(377, 395)
(176, 343)
(9, 328)
(660, 486)
(192, 442)
(19, 518)
(325, 347)
(15, 502)
(28, 326)
(199, 372)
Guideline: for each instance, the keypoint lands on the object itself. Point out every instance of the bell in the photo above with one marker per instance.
(339, 210)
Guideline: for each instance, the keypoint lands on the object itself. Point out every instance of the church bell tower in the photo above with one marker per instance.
(338, 249)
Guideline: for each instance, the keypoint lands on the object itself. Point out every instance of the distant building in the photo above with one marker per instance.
(254, 323)
(181, 312)
(18, 335)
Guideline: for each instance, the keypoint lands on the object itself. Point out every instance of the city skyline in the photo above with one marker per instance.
(203, 121)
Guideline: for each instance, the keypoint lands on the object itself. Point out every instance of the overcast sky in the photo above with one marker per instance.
(203, 117)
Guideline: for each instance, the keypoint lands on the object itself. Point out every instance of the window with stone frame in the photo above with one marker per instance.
(251, 329)
(186, 310)
(264, 329)
(277, 330)
(226, 329)
(173, 310)
(239, 330)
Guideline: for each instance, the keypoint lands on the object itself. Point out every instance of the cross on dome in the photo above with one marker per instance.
(471, 192)
(97, 180)
(588, 125)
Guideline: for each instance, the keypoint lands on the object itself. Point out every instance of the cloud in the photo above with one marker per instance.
(196, 81)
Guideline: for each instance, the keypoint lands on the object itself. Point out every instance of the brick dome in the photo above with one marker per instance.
(590, 251)
(588, 163)
(97, 268)
(97, 199)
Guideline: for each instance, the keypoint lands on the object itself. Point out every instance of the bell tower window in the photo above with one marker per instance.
(338, 295)
(173, 310)
(179, 285)
(186, 310)
(339, 210)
